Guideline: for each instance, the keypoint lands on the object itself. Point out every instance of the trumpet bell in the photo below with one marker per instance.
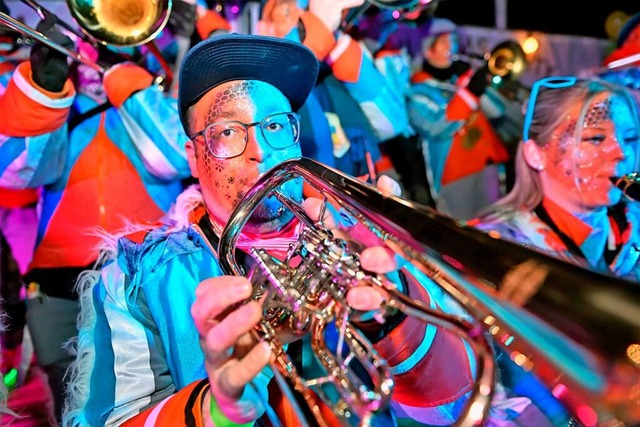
(121, 22)
(507, 59)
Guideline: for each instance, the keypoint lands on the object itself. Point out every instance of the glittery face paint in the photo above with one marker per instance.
(580, 167)
(225, 181)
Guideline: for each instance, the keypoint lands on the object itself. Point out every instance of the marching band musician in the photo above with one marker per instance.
(163, 340)
(450, 108)
(353, 104)
(106, 149)
(578, 134)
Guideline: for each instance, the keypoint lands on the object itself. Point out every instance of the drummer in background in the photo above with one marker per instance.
(107, 149)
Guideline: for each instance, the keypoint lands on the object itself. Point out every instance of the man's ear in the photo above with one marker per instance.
(190, 148)
(534, 155)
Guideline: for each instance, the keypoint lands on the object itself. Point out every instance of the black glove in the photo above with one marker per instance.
(50, 68)
(182, 20)
(479, 81)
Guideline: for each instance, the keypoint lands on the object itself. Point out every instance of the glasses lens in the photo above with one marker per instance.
(226, 139)
(281, 130)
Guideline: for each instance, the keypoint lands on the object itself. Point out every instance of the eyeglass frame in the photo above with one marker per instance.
(548, 82)
(246, 127)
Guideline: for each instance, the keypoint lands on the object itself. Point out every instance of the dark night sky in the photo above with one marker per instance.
(577, 17)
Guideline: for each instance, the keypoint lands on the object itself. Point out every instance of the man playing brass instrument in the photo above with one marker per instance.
(141, 360)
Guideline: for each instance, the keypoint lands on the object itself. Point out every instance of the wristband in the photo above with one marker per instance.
(219, 419)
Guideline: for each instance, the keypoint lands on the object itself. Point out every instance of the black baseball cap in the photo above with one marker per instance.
(289, 66)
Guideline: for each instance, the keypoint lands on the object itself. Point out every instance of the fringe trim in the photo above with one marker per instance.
(4, 392)
(82, 346)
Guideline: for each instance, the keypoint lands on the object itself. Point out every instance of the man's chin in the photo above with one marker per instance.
(261, 225)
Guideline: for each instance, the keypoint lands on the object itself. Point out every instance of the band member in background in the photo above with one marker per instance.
(353, 107)
(18, 227)
(450, 108)
(578, 134)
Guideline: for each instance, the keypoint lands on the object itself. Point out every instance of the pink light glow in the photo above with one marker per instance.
(235, 9)
(587, 415)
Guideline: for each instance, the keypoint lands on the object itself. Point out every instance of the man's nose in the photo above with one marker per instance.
(257, 147)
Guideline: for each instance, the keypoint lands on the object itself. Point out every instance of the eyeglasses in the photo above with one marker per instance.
(229, 139)
(548, 82)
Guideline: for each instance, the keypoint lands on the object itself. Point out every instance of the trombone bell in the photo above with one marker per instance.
(121, 22)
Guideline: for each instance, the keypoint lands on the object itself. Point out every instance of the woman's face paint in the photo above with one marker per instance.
(580, 167)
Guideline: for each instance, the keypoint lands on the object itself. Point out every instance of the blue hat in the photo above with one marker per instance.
(437, 26)
(289, 66)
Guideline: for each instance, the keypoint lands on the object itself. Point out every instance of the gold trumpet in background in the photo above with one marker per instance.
(108, 22)
(579, 330)
(506, 59)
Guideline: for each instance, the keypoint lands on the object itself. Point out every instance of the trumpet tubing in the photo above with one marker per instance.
(579, 332)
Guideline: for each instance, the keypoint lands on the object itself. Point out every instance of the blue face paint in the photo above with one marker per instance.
(225, 181)
(627, 134)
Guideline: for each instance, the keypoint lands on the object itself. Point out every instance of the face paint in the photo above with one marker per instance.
(225, 181)
(583, 156)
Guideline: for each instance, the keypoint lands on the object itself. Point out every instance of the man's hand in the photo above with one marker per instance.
(479, 81)
(232, 357)
(50, 68)
(330, 11)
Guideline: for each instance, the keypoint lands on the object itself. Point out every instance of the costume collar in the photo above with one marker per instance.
(590, 231)
(570, 225)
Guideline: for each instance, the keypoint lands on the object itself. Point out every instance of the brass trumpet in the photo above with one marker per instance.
(579, 332)
(506, 59)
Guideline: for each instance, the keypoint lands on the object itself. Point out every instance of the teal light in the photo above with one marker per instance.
(496, 80)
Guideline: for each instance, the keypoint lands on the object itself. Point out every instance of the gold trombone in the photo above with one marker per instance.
(108, 22)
